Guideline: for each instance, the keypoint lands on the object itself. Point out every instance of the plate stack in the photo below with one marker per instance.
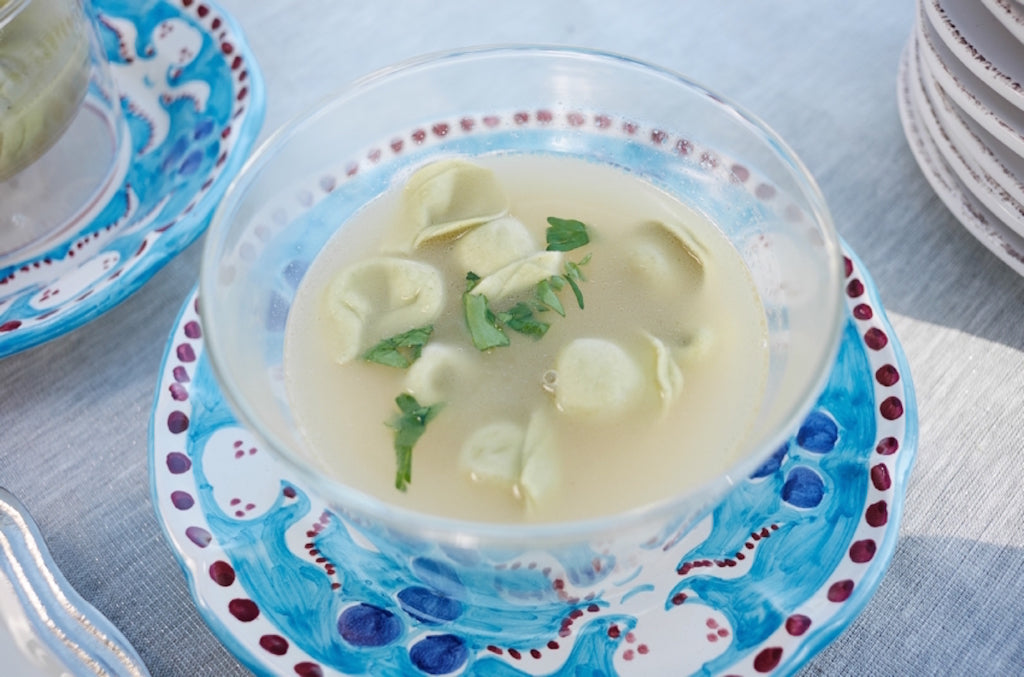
(961, 99)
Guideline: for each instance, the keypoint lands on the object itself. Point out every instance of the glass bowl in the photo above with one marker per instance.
(306, 180)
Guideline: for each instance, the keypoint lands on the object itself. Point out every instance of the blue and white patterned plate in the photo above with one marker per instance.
(764, 582)
(194, 100)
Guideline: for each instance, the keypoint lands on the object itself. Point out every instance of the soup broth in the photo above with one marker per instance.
(645, 391)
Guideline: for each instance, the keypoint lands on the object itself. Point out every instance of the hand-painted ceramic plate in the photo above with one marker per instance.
(194, 100)
(46, 628)
(975, 217)
(764, 582)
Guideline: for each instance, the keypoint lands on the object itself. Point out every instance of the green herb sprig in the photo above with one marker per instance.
(520, 318)
(486, 326)
(482, 322)
(546, 294)
(409, 425)
(401, 350)
(564, 235)
(574, 275)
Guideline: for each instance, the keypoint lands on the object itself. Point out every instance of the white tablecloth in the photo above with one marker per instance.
(74, 412)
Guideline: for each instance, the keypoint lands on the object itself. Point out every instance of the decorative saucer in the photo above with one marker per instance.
(765, 581)
(194, 100)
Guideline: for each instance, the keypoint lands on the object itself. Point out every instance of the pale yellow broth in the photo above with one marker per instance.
(606, 466)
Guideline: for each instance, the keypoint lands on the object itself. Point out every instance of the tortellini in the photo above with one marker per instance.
(378, 298)
(667, 257)
(493, 453)
(493, 245)
(597, 377)
(520, 275)
(443, 199)
(522, 459)
(441, 371)
(542, 469)
(667, 375)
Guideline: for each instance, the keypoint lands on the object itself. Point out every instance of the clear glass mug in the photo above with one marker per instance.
(63, 137)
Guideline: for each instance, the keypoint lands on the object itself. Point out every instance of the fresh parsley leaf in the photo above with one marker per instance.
(574, 275)
(409, 426)
(520, 318)
(566, 234)
(486, 327)
(574, 272)
(482, 323)
(545, 294)
(401, 350)
(575, 290)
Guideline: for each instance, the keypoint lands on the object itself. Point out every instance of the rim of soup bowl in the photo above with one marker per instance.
(470, 533)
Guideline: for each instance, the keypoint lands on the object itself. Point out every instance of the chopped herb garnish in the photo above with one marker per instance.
(485, 326)
(546, 295)
(482, 322)
(573, 272)
(574, 275)
(409, 426)
(402, 350)
(520, 318)
(576, 291)
(566, 234)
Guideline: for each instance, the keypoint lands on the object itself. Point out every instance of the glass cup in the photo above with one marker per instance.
(63, 138)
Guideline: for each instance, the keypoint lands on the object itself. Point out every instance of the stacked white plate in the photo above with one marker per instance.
(961, 98)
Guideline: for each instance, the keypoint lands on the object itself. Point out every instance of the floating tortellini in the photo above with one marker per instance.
(493, 453)
(523, 459)
(443, 199)
(597, 378)
(492, 246)
(667, 374)
(542, 469)
(520, 275)
(667, 257)
(441, 371)
(379, 298)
